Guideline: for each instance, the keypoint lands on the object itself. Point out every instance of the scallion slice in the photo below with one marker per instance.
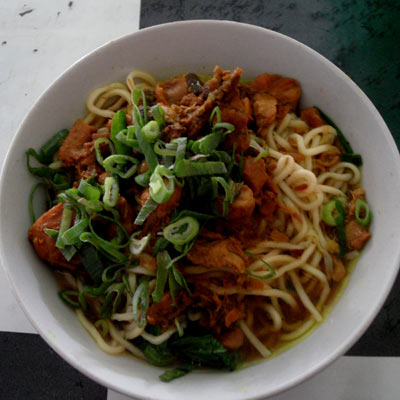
(111, 192)
(140, 303)
(182, 231)
(136, 246)
(148, 207)
(160, 191)
(185, 168)
(122, 165)
(363, 213)
(163, 260)
(151, 131)
(271, 274)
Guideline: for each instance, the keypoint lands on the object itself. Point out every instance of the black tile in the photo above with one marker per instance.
(30, 369)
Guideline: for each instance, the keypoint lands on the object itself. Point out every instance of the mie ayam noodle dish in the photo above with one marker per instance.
(199, 222)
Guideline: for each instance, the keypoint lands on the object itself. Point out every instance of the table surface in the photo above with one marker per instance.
(40, 39)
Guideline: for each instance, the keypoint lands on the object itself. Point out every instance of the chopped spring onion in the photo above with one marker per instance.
(329, 213)
(253, 275)
(353, 158)
(145, 211)
(88, 191)
(181, 149)
(182, 231)
(93, 292)
(67, 297)
(165, 149)
(180, 280)
(151, 131)
(363, 213)
(158, 114)
(91, 261)
(163, 260)
(113, 299)
(111, 192)
(71, 235)
(99, 155)
(345, 143)
(128, 137)
(66, 220)
(122, 233)
(102, 327)
(215, 182)
(215, 112)
(111, 273)
(185, 168)
(122, 165)
(143, 179)
(146, 149)
(32, 196)
(136, 246)
(160, 191)
(107, 248)
(72, 195)
(208, 143)
(117, 125)
(50, 148)
(340, 220)
(140, 303)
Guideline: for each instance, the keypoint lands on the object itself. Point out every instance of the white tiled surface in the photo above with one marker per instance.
(34, 49)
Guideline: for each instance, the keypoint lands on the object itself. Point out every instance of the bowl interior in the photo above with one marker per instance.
(198, 46)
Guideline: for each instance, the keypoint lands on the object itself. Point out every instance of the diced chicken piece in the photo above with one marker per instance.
(171, 91)
(224, 254)
(125, 214)
(355, 194)
(285, 90)
(243, 205)
(44, 245)
(268, 204)
(265, 109)
(312, 117)
(232, 316)
(255, 174)
(339, 271)
(160, 216)
(233, 339)
(72, 152)
(165, 311)
(278, 236)
(356, 235)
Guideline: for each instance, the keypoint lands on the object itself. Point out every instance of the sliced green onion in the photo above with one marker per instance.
(115, 269)
(32, 196)
(353, 158)
(160, 192)
(179, 278)
(146, 149)
(151, 131)
(185, 168)
(182, 231)
(93, 292)
(340, 220)
(91, 261)
(111, 192)
(66, 219)
(112, 300)
(50, 148)
(102, 326)
(362, 208)
(117, 125)
(136, 246)
(143, 179)
(97, 149)
(216, 111)
(208, 143)
(140, 303)
(73, 196)
(88, 191)
(215, 182)
(158, 114)
(345, 143)
(163, 260)
(173, 287)
(165, 149)
(107, 248)
(66, 295)
(121, 230)
(327, 213)
(127, 137)
(181, 149)
(271, 274)
(161, 244)
(119, 163)
(71, 236)
(148, 207)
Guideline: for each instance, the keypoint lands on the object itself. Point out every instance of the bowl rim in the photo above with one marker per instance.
(329, 358)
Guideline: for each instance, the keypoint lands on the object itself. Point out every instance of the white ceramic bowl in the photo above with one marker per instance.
(197, 46)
